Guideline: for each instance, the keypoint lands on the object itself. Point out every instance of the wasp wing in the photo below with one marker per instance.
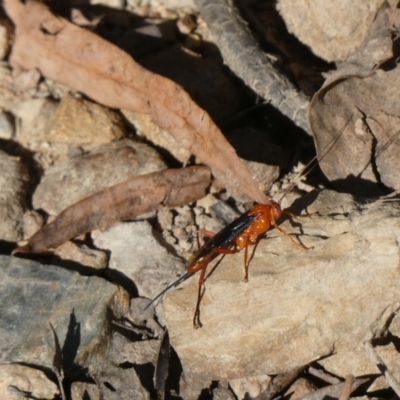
(225, 236)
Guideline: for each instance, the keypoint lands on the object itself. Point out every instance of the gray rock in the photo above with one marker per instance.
(300, 388)
(81, 389)
(78, 121)
(121, 384)
(265, 174)
(9, 99)
(223, 393)
(298, 306)
(26, 80)
(33, 116)
(6, 126)
(78, 177)
(52, 129)
(32, 222)
(318, 26)
(17, 380)
(56, 89)
(137, 253)
(78, 307)
(143, 319)
(251, 386)
(13, 195)
(83, 255)
(139, 353)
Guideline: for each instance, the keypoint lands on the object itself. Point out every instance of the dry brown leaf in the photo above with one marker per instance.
(366, 92)
(121, 202)
(91, 65)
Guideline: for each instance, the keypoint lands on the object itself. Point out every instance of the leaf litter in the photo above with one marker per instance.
(365, 86)
(180, 122)
(91, 65)
(122, 202)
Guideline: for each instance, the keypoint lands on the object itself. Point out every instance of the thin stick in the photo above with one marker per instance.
(374, 357)
(332, 380)
(346, 389)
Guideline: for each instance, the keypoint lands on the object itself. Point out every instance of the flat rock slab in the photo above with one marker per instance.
(34, 295)
(136, 252)
(298, 305)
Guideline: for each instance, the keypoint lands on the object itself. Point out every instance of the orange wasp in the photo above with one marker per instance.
(238, 235)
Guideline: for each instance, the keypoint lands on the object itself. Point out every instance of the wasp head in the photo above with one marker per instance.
(276, 210)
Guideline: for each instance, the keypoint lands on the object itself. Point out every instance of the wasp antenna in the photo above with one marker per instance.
(307, 168)
(388, 143)
(170, 286)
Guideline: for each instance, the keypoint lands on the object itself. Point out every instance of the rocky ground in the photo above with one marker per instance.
(126, 127)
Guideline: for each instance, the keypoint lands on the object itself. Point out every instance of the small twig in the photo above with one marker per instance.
(346, 389)
(374, 357)
(323, 376)
(245, 58)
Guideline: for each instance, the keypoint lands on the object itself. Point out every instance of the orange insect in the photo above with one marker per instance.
(238, 235)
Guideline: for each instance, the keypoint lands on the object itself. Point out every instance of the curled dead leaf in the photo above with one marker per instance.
(87, 63)
(364, 91)
(121, 202)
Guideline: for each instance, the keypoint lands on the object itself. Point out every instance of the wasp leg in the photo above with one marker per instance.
(290, 237)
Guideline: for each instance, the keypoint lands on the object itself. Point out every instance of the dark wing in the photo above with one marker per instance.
(221, 239)
(225, 236)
